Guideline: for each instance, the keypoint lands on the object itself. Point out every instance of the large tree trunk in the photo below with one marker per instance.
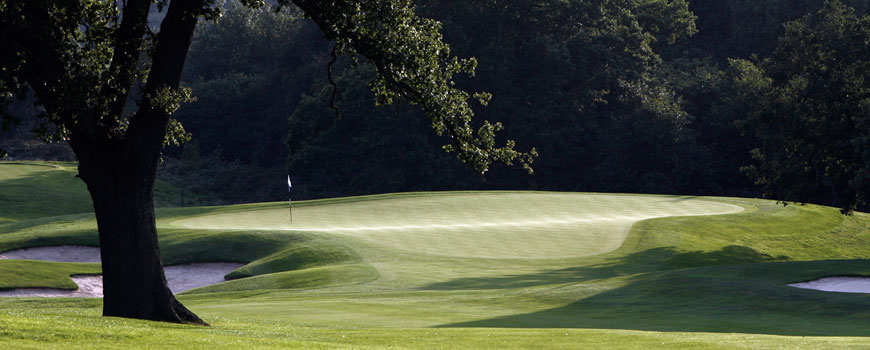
(120, 168)
(122, 188)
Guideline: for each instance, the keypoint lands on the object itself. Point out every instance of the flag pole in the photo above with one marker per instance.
(289, 199)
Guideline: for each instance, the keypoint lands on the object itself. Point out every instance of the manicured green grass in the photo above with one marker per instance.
(39, 189)
(76, 324)
(24, 273)
(474, 270)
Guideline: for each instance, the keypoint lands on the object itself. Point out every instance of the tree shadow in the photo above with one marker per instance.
(656, 259)
(741, 298)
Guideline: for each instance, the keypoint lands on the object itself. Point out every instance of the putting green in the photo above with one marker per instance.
(486, 225)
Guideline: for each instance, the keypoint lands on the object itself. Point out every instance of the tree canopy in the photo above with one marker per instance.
(814, 119)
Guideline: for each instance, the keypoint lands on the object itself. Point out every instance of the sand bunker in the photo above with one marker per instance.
(179, 277)
(837, 284)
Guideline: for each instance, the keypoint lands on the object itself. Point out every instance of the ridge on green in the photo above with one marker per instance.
(463, 270)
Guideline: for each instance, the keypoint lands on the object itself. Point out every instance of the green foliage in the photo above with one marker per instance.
(76, 75)
(371, 149)
(247, 72)
(413, 62)
(813, 122)
(578, 80)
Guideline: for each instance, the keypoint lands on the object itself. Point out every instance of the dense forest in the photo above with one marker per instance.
(735, 98)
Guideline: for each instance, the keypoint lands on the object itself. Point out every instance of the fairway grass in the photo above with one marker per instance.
(473, 270)
(78, 325)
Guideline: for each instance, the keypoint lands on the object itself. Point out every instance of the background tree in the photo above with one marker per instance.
(814, 122)
(83, 59)
(742, 28)
(370, 149)
(578, 79)
(247, 72)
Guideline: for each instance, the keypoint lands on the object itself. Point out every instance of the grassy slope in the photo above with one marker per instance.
(40, 189)
(718, 274)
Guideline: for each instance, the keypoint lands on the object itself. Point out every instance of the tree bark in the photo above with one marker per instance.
(122, 188)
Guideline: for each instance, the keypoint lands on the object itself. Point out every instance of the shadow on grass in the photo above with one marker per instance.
(656, 259)
(743, 298)
(682, 199)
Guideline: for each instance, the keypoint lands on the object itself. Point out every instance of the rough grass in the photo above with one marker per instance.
(436, 270)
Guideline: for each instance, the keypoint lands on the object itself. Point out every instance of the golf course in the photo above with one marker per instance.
(453, 270)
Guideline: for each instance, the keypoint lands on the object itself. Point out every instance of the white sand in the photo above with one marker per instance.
(190, 276)
(180, 277)
(837, 284)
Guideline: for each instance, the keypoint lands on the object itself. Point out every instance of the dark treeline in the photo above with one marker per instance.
(642, 96)
(645, 96)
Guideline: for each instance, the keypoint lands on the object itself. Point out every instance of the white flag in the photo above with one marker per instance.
(289, 185)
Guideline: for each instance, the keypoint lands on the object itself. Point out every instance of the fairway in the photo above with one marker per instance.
(491, 225)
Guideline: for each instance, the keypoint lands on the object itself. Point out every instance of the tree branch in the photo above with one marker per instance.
(125, 58)
(148, 126)
(332, 82)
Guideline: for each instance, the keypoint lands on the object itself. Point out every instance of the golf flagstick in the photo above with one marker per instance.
(289, 199)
